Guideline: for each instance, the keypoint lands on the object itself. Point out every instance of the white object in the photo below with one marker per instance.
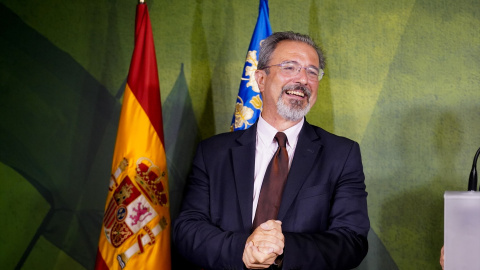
(462, 230)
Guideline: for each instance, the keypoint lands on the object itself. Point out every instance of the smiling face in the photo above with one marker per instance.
(287, 99)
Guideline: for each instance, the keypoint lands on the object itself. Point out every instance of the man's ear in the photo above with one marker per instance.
(260, 76)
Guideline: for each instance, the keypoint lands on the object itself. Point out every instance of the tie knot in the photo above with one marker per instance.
(281, 139)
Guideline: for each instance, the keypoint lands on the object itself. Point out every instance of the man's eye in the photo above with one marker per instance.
(312, 72)
(288, 67)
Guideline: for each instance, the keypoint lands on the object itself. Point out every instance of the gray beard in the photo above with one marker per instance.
(293, 111)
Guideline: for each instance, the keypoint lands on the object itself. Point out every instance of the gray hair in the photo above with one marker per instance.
(269, 45)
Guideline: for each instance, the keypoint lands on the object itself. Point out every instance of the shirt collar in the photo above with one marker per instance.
(266, 132)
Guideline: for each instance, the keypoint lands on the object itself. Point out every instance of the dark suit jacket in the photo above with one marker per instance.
(323, 210)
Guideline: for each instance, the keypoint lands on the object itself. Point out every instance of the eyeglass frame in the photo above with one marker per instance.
(300, 67)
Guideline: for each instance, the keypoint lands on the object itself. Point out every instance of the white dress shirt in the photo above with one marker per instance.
(266, 146)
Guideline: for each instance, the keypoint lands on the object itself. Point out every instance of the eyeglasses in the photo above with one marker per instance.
(292, 68)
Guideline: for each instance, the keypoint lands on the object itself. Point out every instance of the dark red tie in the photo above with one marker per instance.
(273, 183)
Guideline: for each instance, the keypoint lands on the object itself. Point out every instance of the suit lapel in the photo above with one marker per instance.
(308, 147)
(243, 157)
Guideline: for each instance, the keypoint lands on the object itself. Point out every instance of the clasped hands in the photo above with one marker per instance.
(264, 245)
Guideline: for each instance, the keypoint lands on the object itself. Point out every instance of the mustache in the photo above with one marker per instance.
(297, 86)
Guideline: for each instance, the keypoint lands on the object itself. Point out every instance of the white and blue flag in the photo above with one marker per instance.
(249, 101)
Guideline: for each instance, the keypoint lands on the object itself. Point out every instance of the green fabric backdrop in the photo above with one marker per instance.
(402, 79)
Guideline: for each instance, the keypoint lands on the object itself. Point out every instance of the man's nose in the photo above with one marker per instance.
(302, 76)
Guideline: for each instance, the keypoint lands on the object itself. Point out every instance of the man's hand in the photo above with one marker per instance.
(264, 245)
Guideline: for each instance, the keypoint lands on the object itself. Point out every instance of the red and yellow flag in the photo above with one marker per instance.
(136, 224)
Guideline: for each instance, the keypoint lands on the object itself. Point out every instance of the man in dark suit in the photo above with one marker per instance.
(321, 221)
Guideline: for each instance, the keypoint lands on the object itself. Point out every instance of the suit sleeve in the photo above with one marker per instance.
(195, 236)
(344, 244)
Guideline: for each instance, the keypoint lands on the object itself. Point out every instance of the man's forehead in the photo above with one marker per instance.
(291, 50)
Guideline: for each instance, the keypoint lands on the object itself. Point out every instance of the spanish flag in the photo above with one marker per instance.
(136, 224)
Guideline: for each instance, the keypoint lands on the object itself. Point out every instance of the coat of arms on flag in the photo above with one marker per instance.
(130, 208)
